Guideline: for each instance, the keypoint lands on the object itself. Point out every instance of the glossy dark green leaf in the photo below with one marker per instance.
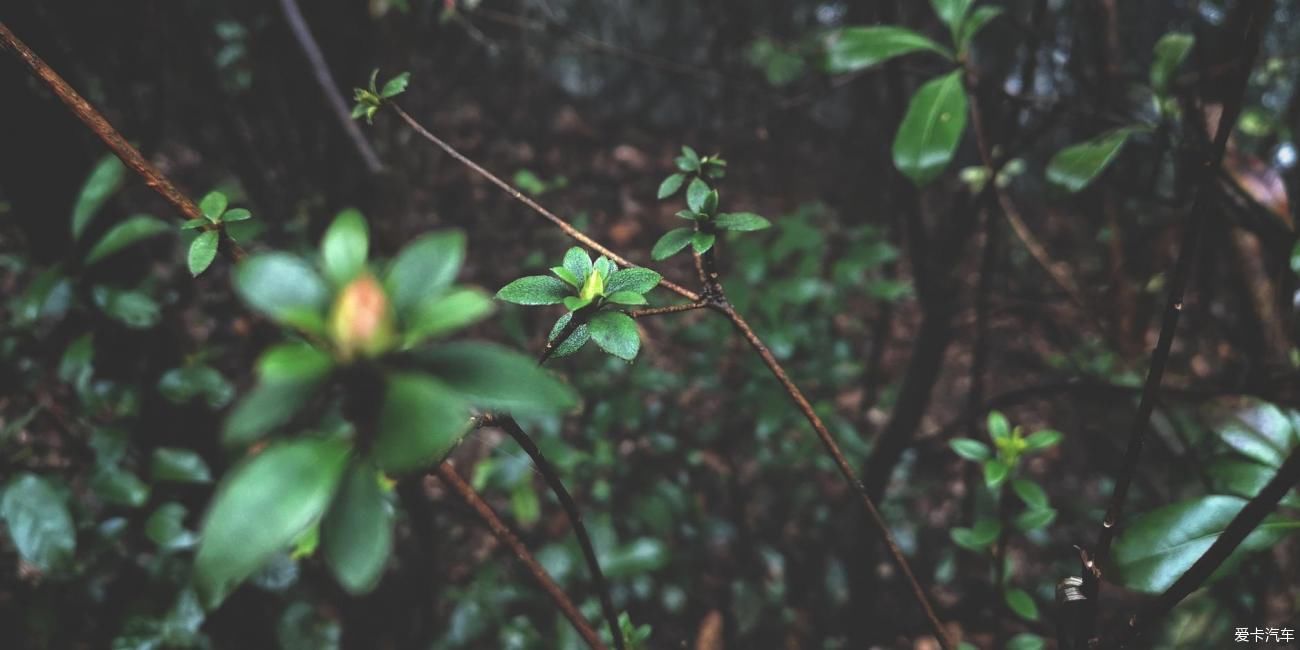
(285, 288)
(616, 333)
(931, 129)
(166, 528)
(1159, 546)
(179, 465)
(970, 449)
(703, 241)
(578, 262)
(672, 242)
(1170, 52)
(345, 246)
(424, 268)
(104, 180)
(288, 375)
(975, 23)
(535, 290)
(741, 221)
(670, 185)
(356, 535)
(202, 251)
(1030, 492)
(493, 377)
(395, 86)
(1244, 478)
(261, 507)
(454, 310)
(213, 205)
(1259, 431)
(117, 486)
(37, 521)
(420, 421)
(635, 279)
(855, 48)
(131, 308)
(1076, 166)
(995, 472)
(573, 341)
(133, 229)
(1022, 604)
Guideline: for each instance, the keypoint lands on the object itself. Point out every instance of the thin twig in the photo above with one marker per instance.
(669, 309)
(320, 69)
(1205, 170)
(116, 143)
(447, 473)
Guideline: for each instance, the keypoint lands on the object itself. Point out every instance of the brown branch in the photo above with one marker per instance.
(447, 473)
(668, 309)
(116, 143)
(320, 69)
(1205, 170)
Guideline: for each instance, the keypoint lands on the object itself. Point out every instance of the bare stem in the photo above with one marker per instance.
(670, 309)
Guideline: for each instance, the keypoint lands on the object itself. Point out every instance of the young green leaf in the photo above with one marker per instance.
(424, 269)
(1170, 52)
(998, 426)
(535, 290)
(236, 214)
(213, 205)
(179, 466)
(689, 161)
(566, 275)
(103, 181)
(635, 279)
(395, 86)
(202, 251)
(626, 298)
(594, 287)
(1043, 439)
(616, 333)
(261, 507)
(1022, 604)
(421, 420)
(672, 242)
(133, 229)
(703, 241)
(356, 534)
(38, 522)
(931, 129)
(1075, 167)
(194, 224)
(970, 449)
(696, 194)
(995, 472)
(855, 48)
(491, 376)
(741, 221)
(1030, 493)
(283, 287)
(670, 185)
(345, 246)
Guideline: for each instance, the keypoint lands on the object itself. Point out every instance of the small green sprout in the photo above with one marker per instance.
(702, 206)
(203, 249)
(370, 99)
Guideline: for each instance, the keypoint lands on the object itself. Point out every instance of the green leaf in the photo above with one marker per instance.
(458, 308)
(289, 374)
(578, 262)
(357, 532)
(1035, 518)
(103, 181)
(696, 193)
(1026, 641)
(1076, 166)
(133, 229)
(616, 333)
(710, 203)
(525, 504)
(1030, 492)
(672, 242)
(998, 426)
(202, 251)
(213, 205)
(179, 465)
(574, 303)
(1159, 546)
(424, 269)
(345, 246)
(606, 268)
(689, 161)
(261, 507)
(395, 86)
(635, 279)
(975, 23)
(626, 298)
(420, 421)
(493, 377)
(180, 385)
(670, 185)
(535, 290)
(970, 449)
(741, 221)
(641, 556)
(37, 521)
(302, 627)
(575, 340)
(1170, 52)
(931, 129)
(995, 472)
(166, 528)
(1259, 431)
(687, 214)
(1022, 604)
(131, 308)
(237, 214)
(703, 241)
(952, 13)
(284, 287)
(195, 224)
(1044, 439)
(119, 487)
(978, 537)
(566, 275)
(1244, 478)
(856, 48)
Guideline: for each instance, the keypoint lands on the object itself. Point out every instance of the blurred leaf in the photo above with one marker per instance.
(424, 268)
(616, 333)
(491, 376)
(302, 628)
(975, 23)
(978, 537)
(421, 420)
(1259, 431)
(135, 228)
(285, 288)
(524, 504)
(357, 533)
(166, 528)
(103, 181)
(1076, 166)
(995, 472)
(131, 308)
(119, 487)
(1170, 52)
(672, 242)
(952, 13)
(1022, 604)
(1035, 518)
(180, 385)
(855, 48)
(643, 555)
(344, 247)
(261, 506)
(179, 465)
(1245, 478)
(1044, 439)
(535, 290)
(636, 279)
(1159, 546)
(931, 129)
(998, 426)
(37, 520)
(689, 161)
(454, 310)
(288, 375)
(236, 214)
(202, 251)
(670, 185)
(970, 449)
(1030, 492)
(741, 221)
(1026, 641)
